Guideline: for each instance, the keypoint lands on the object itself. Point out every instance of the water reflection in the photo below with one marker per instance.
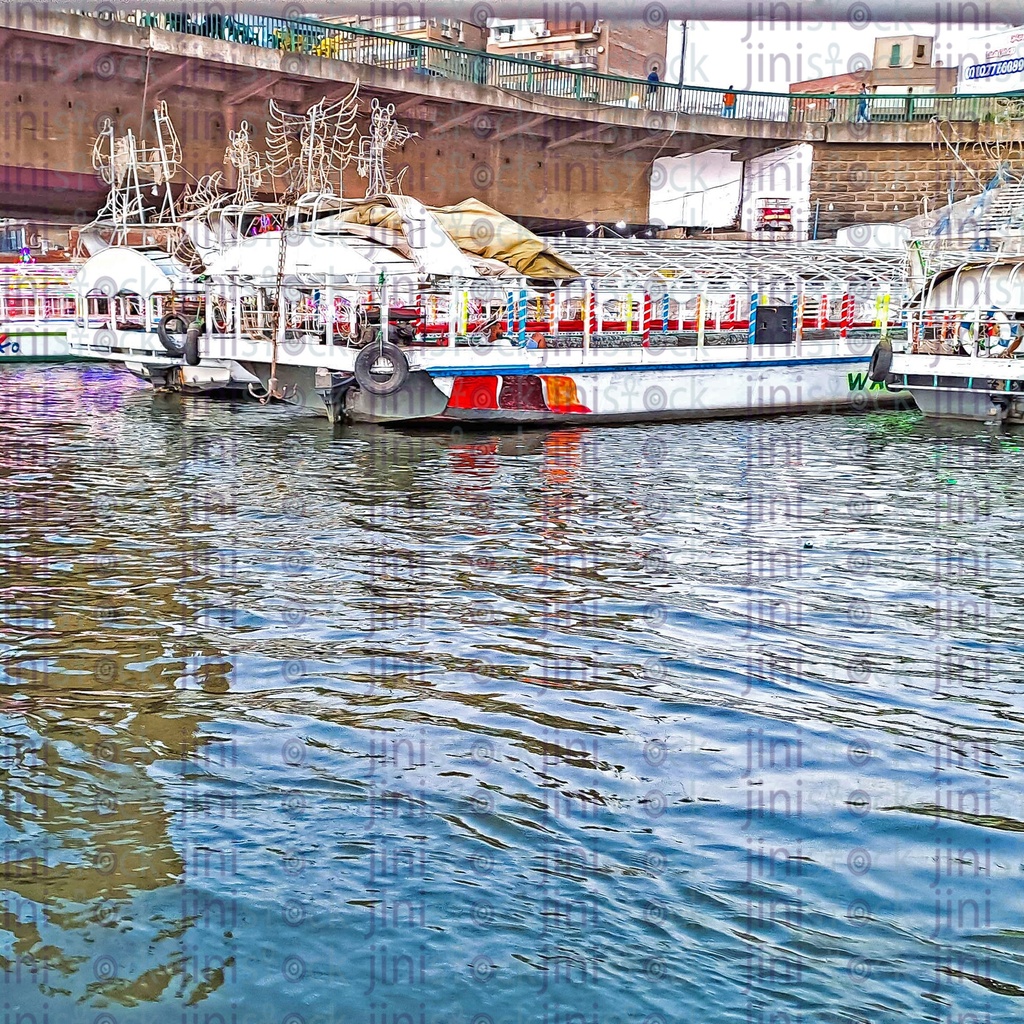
(576, 725)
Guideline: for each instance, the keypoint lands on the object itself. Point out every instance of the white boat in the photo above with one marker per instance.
(962, 358)
(37, 307)
(382, 309)
(472, 338)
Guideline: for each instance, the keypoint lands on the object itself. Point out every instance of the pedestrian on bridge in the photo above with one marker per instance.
(729, 103)
(863, 111)
(652, 84)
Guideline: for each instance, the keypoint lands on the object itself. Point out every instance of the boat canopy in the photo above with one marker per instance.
(307, 256)
(473, 227)
(118, 270)
(996, 284)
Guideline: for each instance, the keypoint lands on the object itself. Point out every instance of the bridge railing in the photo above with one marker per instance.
(518, 74)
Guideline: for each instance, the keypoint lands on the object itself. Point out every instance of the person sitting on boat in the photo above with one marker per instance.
(536, 340)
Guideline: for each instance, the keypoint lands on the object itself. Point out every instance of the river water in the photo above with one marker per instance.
(699, 722)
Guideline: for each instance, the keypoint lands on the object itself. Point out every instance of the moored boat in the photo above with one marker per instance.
(382, 309)
(962, 357)
(37, 307)
(473, 339)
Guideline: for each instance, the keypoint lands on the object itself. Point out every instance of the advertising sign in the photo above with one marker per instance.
(996, 65)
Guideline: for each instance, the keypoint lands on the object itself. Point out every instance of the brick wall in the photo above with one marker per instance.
(866, 183)
(632, 47)
(47, 130)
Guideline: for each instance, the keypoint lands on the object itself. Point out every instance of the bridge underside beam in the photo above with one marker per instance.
(31, 192)
(697, 144)
(592, 133)
(750, 148)
(461, 118)
(519, 128)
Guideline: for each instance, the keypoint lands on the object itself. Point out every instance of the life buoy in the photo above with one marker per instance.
(881, 361)
(381, 369)
(192, 345)
(996, 334)
(220, 326)
(170, 325)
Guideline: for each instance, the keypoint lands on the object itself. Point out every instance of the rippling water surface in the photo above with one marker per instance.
(699, 722)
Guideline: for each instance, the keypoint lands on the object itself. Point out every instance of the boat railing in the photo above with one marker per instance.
(953, 332)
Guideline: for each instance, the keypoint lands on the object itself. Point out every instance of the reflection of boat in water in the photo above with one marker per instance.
(965, 339)
(102, 897)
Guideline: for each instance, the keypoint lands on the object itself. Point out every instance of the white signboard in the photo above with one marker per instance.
(996, 65)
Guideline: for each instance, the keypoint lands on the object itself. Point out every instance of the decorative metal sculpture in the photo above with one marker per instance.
(204, 194)
(126, 165)
(385, 134)
(246, 161)
(310, 151)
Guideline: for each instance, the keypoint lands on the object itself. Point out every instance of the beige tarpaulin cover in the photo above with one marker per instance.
(476, 229)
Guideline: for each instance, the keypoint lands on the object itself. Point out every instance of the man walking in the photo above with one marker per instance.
(863, 112)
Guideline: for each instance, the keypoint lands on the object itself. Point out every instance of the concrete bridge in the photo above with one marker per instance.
(551, 146)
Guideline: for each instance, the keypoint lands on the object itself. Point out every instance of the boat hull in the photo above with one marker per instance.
(621, 395)
(505, 384)
(19, 344)
(962, 387)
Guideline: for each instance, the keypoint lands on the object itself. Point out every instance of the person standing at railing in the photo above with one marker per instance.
(729, 103)
(652, 84)
(480, 69)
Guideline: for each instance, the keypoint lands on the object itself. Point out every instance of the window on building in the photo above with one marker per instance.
(12, 239)
(503, 32)
(920, 52)
(894, 56)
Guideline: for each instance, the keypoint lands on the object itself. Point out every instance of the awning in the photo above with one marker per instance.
(306, 256)
(120, 270)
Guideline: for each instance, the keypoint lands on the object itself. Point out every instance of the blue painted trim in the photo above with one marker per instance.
(541, 371)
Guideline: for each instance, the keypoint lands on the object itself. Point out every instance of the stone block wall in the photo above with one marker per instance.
(47, 130)
(883, 183)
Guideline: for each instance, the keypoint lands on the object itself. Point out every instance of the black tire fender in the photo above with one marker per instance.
(881, 361)
(377, 383)
(192, 345)
(172, 324)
